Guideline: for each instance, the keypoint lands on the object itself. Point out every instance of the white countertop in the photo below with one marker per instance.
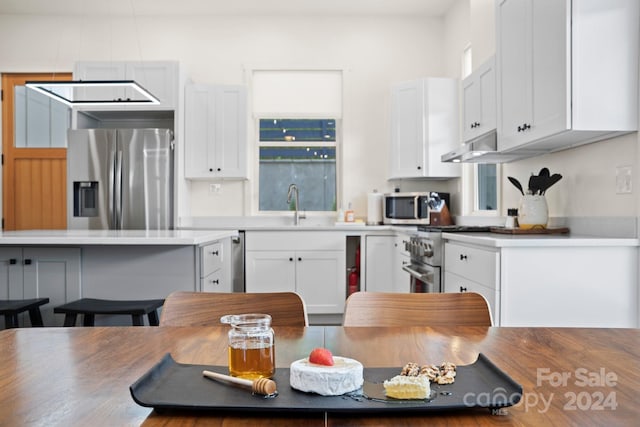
(538, 240)
(113, 237)
(281, 223)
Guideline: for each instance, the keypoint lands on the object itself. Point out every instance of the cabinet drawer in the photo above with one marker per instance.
(211, 256)
(294, 240)
(454, 283)
(215, 282)
(475, 264)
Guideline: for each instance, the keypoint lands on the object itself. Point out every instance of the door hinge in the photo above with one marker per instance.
(1, 95)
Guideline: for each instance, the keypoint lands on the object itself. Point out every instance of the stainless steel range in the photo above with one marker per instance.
(426, 249)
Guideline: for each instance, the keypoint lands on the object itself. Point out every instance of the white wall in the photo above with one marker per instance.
(374, 52)
(588, 186)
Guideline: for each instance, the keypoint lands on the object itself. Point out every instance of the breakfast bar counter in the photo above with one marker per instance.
(113, 237)
(81, 376)
(66, 265)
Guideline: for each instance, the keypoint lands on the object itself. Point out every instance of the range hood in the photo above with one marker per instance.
(483, 149)
(95, 92)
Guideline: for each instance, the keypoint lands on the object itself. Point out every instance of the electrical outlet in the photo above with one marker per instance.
(624, 178)
(215, 188)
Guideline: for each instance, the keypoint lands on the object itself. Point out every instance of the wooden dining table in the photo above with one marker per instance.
(81, 376)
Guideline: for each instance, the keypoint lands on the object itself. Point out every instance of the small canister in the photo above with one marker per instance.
(252, 353)
(512, 218)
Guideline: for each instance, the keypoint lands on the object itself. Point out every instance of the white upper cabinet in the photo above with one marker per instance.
(424, 126)
(158, 77)
(479, 101)
(161, 78)
(567, 72)
(215, 131)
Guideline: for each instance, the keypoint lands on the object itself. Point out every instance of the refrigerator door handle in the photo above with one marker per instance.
(118, 190)
(111, 198)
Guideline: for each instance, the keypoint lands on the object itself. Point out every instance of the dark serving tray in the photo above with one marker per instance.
(171, 385)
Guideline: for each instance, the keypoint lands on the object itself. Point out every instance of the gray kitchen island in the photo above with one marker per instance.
(65, 265)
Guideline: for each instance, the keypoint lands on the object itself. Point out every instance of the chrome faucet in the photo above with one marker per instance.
(293, 191)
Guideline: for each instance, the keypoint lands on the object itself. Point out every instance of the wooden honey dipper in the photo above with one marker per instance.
(261, 385)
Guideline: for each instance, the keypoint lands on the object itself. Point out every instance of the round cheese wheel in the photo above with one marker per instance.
(343, 377)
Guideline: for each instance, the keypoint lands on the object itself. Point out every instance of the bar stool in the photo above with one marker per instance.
(11, 308)
(89, 307)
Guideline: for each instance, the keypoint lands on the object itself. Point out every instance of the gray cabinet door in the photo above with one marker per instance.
(52, 273)
(11, 273)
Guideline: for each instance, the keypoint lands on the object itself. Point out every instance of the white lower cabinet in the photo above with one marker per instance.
(270, 271)
(215, 267)
(385, 256)
(473, 269)
(309, 263)
(455, 283)
(37, 272)
(320, 280)
(570, 285)
(401, 257)
(379, 264)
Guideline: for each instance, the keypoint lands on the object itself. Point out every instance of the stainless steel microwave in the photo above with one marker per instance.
(405, 208)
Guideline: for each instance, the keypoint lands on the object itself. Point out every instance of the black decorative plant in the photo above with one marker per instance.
(538, 184)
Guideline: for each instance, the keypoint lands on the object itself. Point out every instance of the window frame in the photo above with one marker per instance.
(337, 144)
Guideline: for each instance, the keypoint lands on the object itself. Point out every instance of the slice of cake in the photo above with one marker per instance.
(407, 387)
(344, 375)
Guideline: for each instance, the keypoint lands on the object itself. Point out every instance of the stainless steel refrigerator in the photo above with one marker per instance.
(120, 179)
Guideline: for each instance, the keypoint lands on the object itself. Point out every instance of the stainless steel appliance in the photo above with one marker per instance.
(237, 262)
(120, 179)
(426, 250)
(423, 272)
(408, 208)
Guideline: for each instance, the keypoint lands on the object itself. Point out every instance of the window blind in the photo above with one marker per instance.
(292, 93)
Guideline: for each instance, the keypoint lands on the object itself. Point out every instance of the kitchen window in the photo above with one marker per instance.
(301, 152)
(486, 187)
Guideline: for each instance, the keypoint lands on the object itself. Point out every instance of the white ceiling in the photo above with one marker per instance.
(426, 8)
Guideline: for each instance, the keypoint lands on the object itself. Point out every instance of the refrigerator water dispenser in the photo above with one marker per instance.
(85, 198)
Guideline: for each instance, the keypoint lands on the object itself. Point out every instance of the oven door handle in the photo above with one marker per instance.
(415, 273)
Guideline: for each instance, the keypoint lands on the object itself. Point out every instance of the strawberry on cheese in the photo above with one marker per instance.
(321, 356)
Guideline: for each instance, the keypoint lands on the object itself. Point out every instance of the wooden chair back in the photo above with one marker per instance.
(183, 308)
(416, 309)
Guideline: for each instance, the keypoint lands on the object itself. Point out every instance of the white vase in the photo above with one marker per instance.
(533, 212)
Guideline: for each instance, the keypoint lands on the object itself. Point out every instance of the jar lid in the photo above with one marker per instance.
(512, 212)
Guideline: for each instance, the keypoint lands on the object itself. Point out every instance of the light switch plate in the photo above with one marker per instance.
(215, 188)
(624, 178)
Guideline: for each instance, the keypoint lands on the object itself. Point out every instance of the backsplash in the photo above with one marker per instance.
(616, 227)
(623, 227)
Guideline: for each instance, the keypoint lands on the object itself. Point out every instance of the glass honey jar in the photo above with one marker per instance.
(251, 345)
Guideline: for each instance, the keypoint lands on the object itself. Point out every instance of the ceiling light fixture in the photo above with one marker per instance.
(92, 92)
(97, 92)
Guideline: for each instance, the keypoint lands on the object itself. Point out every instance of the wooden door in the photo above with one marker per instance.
(33, 179)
